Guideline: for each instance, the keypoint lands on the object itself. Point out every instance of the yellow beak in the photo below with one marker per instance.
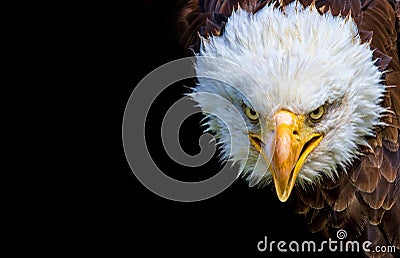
(294, 141)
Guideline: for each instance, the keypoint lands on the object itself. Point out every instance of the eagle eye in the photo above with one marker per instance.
(317, 114)
(251, 114)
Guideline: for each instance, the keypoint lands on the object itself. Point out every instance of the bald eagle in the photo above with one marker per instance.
(318, 85)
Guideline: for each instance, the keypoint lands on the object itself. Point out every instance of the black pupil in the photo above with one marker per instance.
(315, 112)
(252, 112)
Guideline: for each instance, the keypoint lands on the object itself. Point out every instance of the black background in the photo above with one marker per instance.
(133, 220)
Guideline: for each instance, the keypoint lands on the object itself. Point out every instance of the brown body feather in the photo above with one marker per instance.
(365, 200)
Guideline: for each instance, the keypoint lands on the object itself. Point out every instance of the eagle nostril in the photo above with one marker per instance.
(296, 135)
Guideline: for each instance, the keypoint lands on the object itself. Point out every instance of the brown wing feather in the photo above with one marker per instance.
(208, 17)
(377, 197)
(366, 200)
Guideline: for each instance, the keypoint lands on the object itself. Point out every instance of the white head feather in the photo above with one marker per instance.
(295, 60)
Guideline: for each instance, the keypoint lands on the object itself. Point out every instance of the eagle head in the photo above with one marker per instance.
(305, 86)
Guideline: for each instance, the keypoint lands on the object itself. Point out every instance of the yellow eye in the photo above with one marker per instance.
(251, 114)
(317, 114)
